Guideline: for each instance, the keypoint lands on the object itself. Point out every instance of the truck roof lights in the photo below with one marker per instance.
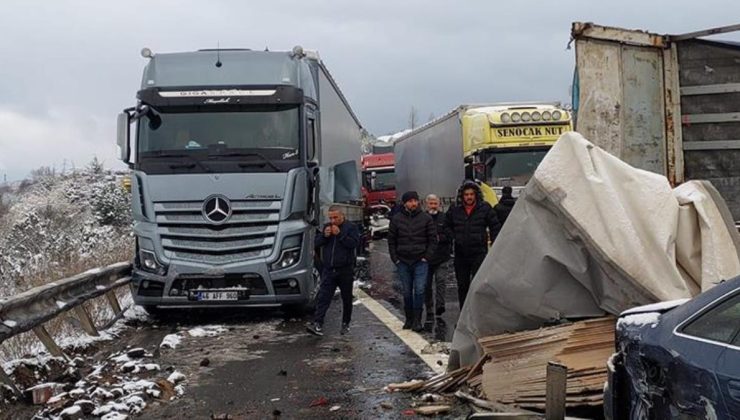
(556, 115)
(516, 117)
(505, 118)
(536, 116)
(220, 92)
(546, 116)
(526, 117)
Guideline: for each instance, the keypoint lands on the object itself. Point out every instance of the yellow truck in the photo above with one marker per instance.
(498, 145)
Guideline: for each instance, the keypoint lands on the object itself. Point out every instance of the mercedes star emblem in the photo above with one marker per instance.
(217, 209)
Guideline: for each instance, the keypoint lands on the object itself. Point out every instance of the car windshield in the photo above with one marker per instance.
(383, 180)
(513, 168)
(275, 133)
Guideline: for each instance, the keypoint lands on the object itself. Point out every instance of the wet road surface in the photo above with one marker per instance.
(255, 364)
(386, 287)
(262, 368)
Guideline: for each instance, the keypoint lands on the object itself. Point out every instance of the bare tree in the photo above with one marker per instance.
(413, 117)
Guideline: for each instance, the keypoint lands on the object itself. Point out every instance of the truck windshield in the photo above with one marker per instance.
(258, 140)
(384, 181)
(513, 168)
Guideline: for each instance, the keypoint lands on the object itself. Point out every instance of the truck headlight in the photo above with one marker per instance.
(288, 258)
(149, 262)
(291, 252)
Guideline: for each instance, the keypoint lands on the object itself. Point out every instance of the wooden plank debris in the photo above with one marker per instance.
(517, 371)
(431, 410)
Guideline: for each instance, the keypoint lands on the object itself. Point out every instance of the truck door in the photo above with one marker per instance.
(669, 104)
(619, 83)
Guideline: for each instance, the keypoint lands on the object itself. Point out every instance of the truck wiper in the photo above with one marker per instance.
(195, 161)
(259, 155)
(183, 166)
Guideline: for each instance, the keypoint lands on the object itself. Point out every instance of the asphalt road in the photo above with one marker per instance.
(385, 287)
(255, 364)
(266, 367)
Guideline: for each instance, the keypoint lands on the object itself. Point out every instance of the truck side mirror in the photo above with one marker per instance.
(123, 136)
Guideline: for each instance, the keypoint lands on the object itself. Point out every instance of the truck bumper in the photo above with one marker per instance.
(257, 286)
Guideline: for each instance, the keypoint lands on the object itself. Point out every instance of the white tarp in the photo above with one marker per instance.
(592, 235)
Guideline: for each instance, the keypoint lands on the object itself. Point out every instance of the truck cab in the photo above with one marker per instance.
(227, 161)
(379, 179)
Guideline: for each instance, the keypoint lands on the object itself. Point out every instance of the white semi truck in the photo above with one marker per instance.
(235, 157)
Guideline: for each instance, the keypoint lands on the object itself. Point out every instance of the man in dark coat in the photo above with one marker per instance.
(473, 222)
(338, 245)
(505, 204)
(437, 284)
(412, 238)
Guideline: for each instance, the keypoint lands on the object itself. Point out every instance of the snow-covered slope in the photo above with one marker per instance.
(57, 224)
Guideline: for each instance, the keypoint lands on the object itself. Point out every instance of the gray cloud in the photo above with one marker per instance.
(69, 66)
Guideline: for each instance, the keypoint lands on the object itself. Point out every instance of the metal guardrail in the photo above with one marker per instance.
(31, 309)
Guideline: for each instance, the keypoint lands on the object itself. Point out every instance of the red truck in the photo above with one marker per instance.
(378, 179)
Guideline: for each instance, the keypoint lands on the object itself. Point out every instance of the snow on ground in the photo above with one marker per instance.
(171, 341)
(207, 331)
(117, 387)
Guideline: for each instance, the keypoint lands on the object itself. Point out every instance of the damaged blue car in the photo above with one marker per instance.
(678, 359)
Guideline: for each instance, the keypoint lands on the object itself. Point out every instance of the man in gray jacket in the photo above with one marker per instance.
(412, 238)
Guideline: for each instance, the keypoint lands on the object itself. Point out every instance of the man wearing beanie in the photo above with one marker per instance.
(412, 238)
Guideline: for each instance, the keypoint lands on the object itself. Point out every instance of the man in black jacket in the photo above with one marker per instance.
(437, 285)
(505, 204)
(412, 237)
(338, 243)
(472, 222)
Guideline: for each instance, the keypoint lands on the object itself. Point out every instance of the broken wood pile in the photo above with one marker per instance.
(516, 372)
(445, 382)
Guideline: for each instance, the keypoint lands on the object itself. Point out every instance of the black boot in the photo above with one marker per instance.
(408, 322)
(417, 326)
(429, 317)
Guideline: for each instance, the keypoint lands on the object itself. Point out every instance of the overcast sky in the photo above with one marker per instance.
(68, 67)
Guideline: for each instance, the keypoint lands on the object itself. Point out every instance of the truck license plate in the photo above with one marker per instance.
(216, 295)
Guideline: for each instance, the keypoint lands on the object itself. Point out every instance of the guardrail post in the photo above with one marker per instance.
(113, 300)
(48, 341)
(556, 383)
(85, 320)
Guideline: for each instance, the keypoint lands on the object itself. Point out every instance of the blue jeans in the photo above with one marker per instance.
(413, 280)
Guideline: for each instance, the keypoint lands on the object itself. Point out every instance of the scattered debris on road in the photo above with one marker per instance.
(319, 402)
(431, 410)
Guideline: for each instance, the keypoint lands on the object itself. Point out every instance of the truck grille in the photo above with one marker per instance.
(187, 235)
